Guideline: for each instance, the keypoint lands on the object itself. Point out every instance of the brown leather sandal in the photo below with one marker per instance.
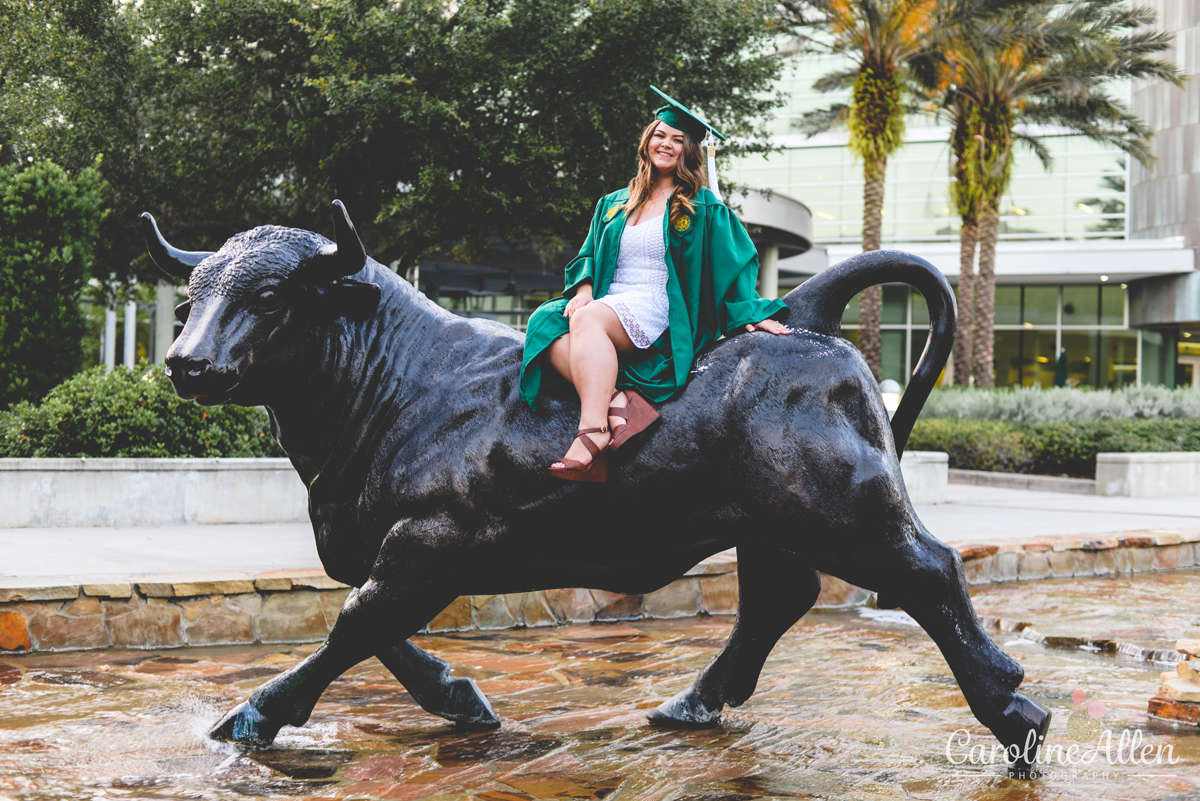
(596, 469)
(637, 413)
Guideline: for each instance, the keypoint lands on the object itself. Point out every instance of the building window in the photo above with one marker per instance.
(1035, 326)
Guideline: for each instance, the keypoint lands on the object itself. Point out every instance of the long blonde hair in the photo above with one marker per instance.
(690, 175)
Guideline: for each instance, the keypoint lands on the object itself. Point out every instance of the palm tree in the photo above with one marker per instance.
(965, 197)
(881, 38)
(1043, 63)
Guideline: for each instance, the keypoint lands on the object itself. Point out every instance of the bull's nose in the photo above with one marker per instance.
(183, 367)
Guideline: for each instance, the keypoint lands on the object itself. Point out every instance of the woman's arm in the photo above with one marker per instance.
(735, 276)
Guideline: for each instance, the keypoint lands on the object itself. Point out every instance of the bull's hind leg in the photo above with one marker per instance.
(924, 576)
(774, 591)
(429, 682)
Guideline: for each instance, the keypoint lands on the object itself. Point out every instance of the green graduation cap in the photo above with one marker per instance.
(679, 116)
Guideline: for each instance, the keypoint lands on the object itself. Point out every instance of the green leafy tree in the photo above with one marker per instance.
(50, 221)
(70, 90)
(437, 122)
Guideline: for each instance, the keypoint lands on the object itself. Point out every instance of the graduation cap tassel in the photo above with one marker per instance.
(712, 172)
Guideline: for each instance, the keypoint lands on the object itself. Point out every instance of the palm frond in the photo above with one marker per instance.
(822, 120)
(1038, 147)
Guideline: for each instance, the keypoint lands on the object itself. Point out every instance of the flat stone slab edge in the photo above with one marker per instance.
(301, 605)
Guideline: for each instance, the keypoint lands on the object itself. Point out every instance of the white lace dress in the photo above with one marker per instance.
(639, 288)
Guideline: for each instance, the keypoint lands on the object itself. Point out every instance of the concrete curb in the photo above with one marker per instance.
(1025, 481)
(171, 611)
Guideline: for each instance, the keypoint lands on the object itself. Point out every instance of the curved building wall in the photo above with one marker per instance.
(1165, 200)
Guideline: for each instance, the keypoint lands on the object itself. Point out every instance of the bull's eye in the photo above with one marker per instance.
(267, 299)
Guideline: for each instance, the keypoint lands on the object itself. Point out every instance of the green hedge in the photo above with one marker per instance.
(131, 413)
(1048, 448)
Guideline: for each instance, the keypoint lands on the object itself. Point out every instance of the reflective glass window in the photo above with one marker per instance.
(1118, 352)
(1039, 358)
(895, 304)
(1081, 357)
(920, 311)
(1081, 305)
(1007, 358)
(1040, 305)
(1112, 304)
(891, 363)
(1008, 305)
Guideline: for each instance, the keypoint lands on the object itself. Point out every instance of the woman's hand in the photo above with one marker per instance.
(770, 326)
(583, 296)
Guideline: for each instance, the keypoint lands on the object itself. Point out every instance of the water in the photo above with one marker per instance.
(850, 706)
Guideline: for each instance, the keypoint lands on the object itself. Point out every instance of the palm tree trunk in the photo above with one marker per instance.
(983, 357)
(870, 309)
(969, 239)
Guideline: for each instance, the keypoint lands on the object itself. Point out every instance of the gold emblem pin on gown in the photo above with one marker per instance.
(683, 223)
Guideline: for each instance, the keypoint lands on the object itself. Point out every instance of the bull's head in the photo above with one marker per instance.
(251, 303)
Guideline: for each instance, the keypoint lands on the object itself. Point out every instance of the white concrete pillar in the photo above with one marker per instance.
(110, 338)
(130, 333)
(768, 272)
(164, 320)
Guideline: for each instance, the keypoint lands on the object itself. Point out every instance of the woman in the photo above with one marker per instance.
(666, 269)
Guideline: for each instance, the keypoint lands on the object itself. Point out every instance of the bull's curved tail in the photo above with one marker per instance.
(819, 302)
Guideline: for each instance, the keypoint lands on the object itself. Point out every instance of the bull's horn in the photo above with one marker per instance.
(347, 256)
(172, 261)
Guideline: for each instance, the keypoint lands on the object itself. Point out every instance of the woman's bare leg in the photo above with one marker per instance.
(590, 351)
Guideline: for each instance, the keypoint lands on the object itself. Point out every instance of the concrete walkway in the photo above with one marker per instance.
(992, 514)
(972, 514)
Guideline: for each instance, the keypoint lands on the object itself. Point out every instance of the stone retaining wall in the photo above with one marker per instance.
(1064, 557)
(301, 605)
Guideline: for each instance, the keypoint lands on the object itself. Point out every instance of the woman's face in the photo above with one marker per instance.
(666, 148)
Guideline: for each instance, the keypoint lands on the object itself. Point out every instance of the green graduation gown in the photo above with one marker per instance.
(712, 273)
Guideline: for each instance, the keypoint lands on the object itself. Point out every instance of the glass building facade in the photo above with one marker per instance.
(1083, 196)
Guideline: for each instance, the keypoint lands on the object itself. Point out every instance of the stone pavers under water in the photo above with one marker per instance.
(854, 704)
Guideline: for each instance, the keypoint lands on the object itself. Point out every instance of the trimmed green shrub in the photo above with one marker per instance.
(131, 413)
(1037, 405)
(1071, 448)
(976, 444)
(1068, 448)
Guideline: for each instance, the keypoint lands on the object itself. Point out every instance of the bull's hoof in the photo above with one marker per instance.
(466, 705)
(1030, 723)
(245, 725)
(684, 711)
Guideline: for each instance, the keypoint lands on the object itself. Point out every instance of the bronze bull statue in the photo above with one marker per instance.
(426, 473)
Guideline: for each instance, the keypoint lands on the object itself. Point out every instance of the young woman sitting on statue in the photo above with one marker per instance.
(666, 269)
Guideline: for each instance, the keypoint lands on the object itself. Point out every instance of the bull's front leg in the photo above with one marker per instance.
(401, 595)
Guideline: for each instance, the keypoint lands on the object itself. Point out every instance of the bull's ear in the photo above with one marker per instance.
(182, 311)
(355, 300)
